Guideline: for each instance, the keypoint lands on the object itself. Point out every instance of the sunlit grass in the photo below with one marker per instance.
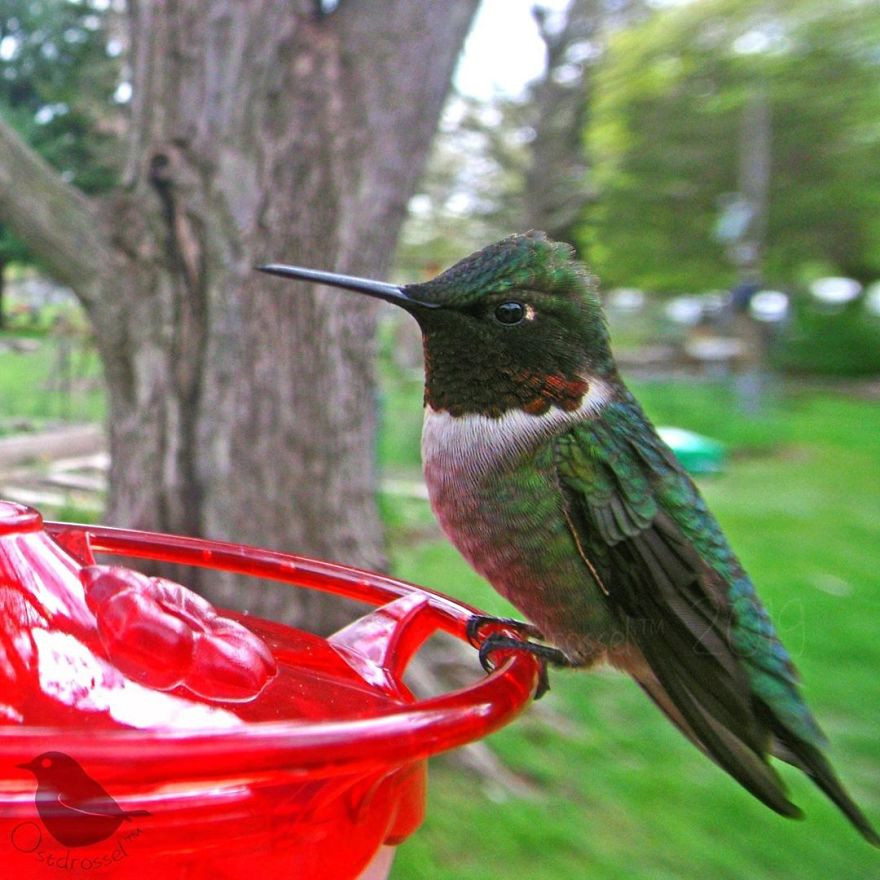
(45, 378)
(618, 792)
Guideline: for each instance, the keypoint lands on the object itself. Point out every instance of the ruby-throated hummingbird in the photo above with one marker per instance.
(547, 476)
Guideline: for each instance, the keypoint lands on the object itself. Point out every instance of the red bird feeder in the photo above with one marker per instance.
(145, 733)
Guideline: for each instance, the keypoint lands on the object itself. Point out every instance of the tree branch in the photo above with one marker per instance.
(54, 219)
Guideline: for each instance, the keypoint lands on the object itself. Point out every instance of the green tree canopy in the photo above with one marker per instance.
(58, 73)
(666, 140)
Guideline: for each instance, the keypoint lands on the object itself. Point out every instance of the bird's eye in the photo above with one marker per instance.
(510, 312)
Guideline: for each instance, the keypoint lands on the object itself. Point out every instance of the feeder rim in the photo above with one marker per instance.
(312, 748)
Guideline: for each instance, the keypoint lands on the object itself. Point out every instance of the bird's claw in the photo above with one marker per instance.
(544, 653)
(478, 622)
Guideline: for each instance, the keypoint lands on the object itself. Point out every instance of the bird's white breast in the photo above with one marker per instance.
(472, 445)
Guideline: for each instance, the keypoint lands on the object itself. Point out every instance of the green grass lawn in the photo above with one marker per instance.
(618, 793)
(42, 380)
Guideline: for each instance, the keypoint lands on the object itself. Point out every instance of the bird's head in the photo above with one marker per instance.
(52, 766)
(515, 325)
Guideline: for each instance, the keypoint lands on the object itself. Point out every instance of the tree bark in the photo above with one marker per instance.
(557, 182)
(755, 159)
(242, 408)
(2, 294)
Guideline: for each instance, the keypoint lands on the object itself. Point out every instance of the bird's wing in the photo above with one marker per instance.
(666, 570)
(712, 660)
(104, 806)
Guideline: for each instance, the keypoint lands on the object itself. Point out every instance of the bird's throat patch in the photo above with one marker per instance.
(540, 392)
(526, 392)
(489, 384)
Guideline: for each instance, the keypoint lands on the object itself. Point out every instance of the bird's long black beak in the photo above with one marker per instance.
(392, 293)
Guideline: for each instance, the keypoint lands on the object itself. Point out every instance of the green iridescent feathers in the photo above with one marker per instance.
(717, 667)
(529, 261)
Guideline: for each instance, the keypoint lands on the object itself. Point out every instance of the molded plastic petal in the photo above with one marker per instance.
(163, 635)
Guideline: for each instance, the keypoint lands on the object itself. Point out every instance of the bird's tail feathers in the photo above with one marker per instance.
(793, 750)
(749, 767)
(732, 754)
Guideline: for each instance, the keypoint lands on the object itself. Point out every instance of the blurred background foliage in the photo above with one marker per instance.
(667, 140)
(643, 142)
(684, 148)
(60, 68)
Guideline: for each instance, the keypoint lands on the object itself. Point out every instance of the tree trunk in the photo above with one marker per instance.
(2, 293)
(240, 407)
(557, 183)
(755, 158)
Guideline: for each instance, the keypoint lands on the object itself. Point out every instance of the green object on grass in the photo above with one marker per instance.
(698, 454)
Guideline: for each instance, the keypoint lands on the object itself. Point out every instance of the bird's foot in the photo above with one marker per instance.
(545, 654)
(478, 622)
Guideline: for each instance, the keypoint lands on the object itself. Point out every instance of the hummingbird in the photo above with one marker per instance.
(546, 474)
(75, 808)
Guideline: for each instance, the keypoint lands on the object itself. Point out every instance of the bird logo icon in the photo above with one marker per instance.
(75, 809)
